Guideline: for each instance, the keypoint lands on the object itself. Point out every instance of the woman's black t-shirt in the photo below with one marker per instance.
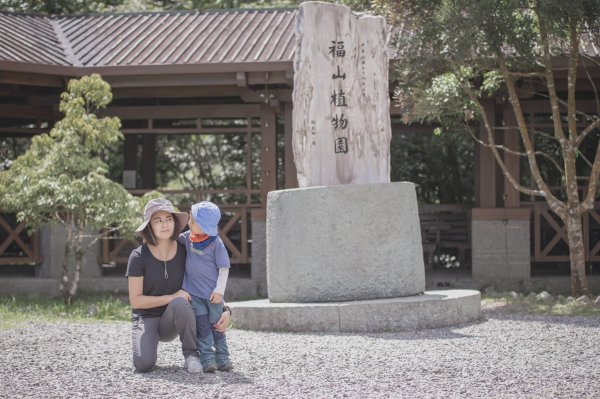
(143, 264)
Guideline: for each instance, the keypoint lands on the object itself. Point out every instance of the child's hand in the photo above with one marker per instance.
(215, 297)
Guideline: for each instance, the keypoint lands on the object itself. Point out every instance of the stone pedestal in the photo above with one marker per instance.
(344, 243)
(501, 247)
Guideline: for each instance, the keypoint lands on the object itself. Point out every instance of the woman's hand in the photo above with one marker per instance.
(223, 322)
(182, 294)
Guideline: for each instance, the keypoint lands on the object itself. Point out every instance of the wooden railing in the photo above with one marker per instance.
(550, 242)
(234, 230)
(16, 247)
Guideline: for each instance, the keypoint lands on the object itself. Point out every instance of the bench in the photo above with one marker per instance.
(444, 227)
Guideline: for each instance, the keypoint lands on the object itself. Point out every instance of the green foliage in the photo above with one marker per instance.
(15, 310)
(454, 47)
(441, 165)
(60, 178)
(506, 303)
(61, 7)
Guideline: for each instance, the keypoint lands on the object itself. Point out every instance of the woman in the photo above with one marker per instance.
(161, 310)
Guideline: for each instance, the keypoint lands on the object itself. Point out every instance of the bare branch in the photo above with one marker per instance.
(588, 202)
(572, 79)
(587, 72)
(554, 203)
(585, 159)
(527, 74)
(549, 75)
(587, 131)
(542, 133)
(513, 152)
(492, 146)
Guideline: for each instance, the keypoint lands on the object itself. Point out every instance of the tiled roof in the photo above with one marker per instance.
(30, 39)
(167, 38)
(182, 38)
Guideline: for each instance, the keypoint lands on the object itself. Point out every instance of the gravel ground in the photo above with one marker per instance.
(502, 356)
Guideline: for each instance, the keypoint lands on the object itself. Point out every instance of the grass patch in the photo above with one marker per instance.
(16, 310)
(524, 305)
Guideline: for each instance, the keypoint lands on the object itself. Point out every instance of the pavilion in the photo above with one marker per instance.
(231, 72)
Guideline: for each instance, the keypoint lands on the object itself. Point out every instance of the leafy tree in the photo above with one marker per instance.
(61, 7)
(60, 178)
(455, 54)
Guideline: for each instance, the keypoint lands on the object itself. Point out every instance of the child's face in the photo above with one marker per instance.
(194, 227)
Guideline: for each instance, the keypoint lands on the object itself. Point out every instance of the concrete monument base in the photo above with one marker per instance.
(433, 309)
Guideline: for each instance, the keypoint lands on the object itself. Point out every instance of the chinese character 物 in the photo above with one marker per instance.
(339, 122)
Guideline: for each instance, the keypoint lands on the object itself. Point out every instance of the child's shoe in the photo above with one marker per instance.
(192, 364)
(226, 367)
(211, 368)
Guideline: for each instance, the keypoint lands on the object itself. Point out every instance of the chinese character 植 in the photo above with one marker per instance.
(339, 99)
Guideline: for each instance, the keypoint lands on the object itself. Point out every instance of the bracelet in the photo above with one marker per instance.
(227, 309)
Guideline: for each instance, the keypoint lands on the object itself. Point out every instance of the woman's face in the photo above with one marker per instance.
(162, 224)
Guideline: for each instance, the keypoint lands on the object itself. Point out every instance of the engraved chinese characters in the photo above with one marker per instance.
(341, 124)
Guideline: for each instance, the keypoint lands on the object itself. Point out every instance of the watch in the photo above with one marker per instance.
(227, 308)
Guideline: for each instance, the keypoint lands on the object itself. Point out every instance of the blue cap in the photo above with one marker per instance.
(207, 215)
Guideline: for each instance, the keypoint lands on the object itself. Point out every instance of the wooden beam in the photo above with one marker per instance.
(31, 79)
(276, 77)
(183, 111)
(214, 79)
(27, 112)
(241, 79)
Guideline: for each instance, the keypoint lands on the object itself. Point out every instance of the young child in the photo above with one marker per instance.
(206, 270)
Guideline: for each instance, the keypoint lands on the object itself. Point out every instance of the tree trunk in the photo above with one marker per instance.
(576, 254)
(79, 252)
(65, 276)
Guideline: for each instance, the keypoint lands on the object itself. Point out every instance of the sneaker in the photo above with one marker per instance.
(211, 368)
(192, 364)
(226, 367)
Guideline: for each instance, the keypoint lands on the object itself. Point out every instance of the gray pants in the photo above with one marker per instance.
(178, 319)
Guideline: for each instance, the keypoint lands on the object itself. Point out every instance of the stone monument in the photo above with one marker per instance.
(344, 250)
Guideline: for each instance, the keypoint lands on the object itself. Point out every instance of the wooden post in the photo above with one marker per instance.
(341, 113)
(290, 177)
(485, 166)
(511, 141)
(268, 145)
(148, 161)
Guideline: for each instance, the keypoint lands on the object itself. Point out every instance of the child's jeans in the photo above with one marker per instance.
(207, 314)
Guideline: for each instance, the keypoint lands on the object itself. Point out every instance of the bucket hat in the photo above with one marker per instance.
(207, 216)
(162, 204)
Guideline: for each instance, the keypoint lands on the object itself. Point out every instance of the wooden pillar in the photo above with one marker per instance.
(148, 161)
(130, 150)
(511, 141)
(291, 176)
(485, 165)
(268, 152)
